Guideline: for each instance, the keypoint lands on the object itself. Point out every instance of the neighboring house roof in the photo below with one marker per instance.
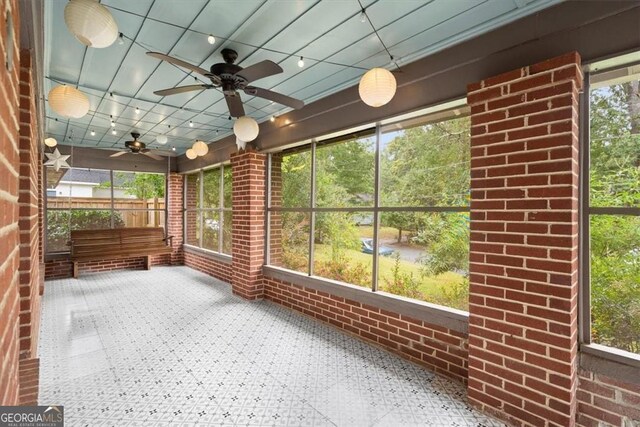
(86, 175)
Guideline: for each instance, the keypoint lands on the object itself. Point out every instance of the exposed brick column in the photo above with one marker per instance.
(174, 215)
(524, 243)
(9, 216)
(28, 200)
(248, 223)
(275, 244)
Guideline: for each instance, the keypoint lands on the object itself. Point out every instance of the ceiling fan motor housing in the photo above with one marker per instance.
(135, 146)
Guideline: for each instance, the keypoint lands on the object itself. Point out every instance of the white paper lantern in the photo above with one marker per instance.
(162, 139)
(68, 101)
(50, 142)
(91, 23)
(246, 129)
(201, 148)
(377, 87)
(191, 154)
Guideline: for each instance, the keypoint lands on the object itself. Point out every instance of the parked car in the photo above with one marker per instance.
(367, 248)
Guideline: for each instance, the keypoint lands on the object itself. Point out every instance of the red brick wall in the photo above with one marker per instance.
(29, 373)
(9, 213)
(524, 244)
(248, 223)
(603, 400)
(28, 200)
(201, 262)
(438, 348)
(63, 268)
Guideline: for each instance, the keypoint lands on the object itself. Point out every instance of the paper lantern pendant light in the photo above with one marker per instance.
(201, 148)
(246, 129)
(191, 154)
(68, 101)
(377, 87)
(91, 23)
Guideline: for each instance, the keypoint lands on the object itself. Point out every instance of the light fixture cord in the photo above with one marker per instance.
(364, 11)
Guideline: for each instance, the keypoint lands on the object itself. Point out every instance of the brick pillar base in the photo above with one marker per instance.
(248, 169)
(524, 243)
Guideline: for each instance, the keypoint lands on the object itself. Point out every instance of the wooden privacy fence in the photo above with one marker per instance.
(134, 212)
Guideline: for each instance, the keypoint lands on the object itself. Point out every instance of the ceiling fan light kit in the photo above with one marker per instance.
(246, 129)
(231, 78)
(91, 23)
(136, 147)
(68, 102)
(377, 87)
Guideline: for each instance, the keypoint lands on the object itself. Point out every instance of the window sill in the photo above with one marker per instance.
(450, 318)
(617, 364)
(217, 256)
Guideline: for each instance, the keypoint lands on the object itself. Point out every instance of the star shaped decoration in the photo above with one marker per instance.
(57, 160)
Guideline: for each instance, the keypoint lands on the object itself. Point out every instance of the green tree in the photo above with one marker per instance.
(141, 185)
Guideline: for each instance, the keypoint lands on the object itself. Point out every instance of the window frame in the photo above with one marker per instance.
(614, 356)
(220, 209)
(54, 254)
(443, 112)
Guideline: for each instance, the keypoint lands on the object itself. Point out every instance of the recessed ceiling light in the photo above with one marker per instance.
(211, 39)
(113, 124)
(93, 133)
(301, 62)
(190, 124)
(173, 148)
(113, 132)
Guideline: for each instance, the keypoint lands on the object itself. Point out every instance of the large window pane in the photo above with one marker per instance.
(345, 173)
(426, 165)
(424, 255)
(227, 227)
(211, 230)
(291, 180)
(615, 281)
(78, 188)
(211, 183)
(341, 248)
(58, 222)
(140, 189)
(615, 145)
(289, 240)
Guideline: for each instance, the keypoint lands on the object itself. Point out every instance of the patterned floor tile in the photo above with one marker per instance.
(172, 346)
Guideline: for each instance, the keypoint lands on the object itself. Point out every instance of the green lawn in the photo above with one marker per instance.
(385, 233)
(433, 287)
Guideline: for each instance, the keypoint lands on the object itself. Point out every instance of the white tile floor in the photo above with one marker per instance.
(172, 346)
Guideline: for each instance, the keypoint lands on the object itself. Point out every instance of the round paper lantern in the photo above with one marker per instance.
(50, 142)
(162, 139)
(191, 154)
(201, 148)
(68, 101)
(246, 128)
(91, 23)
(377, 87)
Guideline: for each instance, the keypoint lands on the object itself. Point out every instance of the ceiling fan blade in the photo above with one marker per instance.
(153, 156)
(260, 70)
(274, 96)
(179, 62)
(235, 105)
(118, 154)
(181, 89)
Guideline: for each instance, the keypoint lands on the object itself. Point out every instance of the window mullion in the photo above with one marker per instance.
(312, 218)
(376, 215)
(584, 291)
(201, 211)
(220, 209)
